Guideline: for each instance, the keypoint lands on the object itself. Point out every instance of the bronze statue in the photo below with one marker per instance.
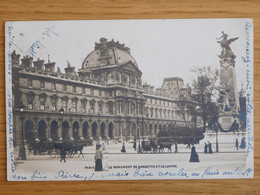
(224, 43)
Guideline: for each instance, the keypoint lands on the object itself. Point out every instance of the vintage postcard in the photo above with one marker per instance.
(129, 99)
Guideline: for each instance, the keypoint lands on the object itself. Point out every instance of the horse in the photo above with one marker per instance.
(78, 147)
(167, 145)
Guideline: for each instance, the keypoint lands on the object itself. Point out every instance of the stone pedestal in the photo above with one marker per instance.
(223, 137)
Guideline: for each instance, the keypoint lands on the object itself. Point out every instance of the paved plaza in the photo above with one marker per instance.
(228, 157)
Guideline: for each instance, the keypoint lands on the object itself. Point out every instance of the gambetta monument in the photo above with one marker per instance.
(230, 126)
(228, 98)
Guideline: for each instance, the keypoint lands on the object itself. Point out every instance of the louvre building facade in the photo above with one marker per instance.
(104, 99)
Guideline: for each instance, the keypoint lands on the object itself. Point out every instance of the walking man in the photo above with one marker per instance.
(237, 143)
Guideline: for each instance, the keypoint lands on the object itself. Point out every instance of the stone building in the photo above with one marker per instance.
(104, 99)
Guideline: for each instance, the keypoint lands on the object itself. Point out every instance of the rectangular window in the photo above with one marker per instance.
(100, 105)
(92, 91)
(64, 105)
(30, 102)
(30, 83)
(53, 86)
(110, 108)
(54, 104)
(100, 93)
(42, 103)
(122, 107)
(83, 106)
(83, 90)
(151, 100)
(74, 106)
(74, 89)
(64, 87)
(42, 84)
(92, 107)
(155, 101)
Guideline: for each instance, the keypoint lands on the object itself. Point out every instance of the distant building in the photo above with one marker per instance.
(105, 99)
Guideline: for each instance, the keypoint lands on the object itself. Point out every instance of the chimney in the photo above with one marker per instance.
(27, 61)
(146, 88)
(15, 59)
(38, 65)
(50, 66)
(69, 70)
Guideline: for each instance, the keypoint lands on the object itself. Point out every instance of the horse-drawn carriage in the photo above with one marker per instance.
(148, 146)
(71, 148)
(155, 146)
(53, 148)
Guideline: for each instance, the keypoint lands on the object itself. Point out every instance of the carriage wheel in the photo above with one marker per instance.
(71, 154)
(53, 155)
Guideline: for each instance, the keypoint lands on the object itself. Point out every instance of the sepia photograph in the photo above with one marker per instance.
(129, 99)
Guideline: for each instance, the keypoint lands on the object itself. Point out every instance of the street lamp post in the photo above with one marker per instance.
(196, 110)
(62, 112)
(22, 153)
(216, 139)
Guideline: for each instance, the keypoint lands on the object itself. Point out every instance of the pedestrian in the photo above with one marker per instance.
(63, 154)
(210, 148)
(123, 148)
(188, 146)
(237, 143)
(194, 155)
(134, 146)
(206, 148)
(98, 159)
(243, 143)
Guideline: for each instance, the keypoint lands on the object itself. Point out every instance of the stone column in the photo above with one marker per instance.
(120, 129)
(59, 129)
(35, 128)
(90, 128)
(130, 128)
(106, 129)
(48, 129)
(98, 129)
(80, 131)
(70, 131)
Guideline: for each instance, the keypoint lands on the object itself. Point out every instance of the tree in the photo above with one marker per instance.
(205, 93)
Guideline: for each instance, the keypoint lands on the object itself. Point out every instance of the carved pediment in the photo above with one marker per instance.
(131, 68)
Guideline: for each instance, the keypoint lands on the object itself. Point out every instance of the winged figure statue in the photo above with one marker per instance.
(224, 43)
